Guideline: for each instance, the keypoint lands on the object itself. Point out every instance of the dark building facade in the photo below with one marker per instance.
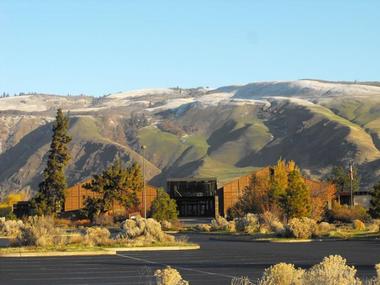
(195, 197)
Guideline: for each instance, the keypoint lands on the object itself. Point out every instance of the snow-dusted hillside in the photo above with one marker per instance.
(222, 132)
(160, 99)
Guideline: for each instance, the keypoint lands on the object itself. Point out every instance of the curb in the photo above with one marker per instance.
(104, 251)
(57, 253)
(154, 248)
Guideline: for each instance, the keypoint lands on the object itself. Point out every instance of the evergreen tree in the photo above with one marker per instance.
(279, 182)
(115, 184)
(297, 201)
(50, 198)
(375, 201)
(163, 207)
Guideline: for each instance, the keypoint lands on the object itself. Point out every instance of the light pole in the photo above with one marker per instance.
(351, 186)
(143, 147)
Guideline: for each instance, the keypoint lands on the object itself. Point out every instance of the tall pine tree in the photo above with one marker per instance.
(374, 210)
(50, 198)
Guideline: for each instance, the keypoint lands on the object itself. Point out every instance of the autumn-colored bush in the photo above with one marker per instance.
(358, 225)
(345, 214)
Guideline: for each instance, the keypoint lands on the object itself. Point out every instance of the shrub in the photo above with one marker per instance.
(147, 230)
(10, 228)
(248, 224)
(358, 225)
(333, 270)
(324, 229)
(203, 227)
(163, 207)
(271, 223)
(345, 214)
(169, 276)
(40, 231)
(282, 273)
(96, 236)
(219, 224)
(301, 227)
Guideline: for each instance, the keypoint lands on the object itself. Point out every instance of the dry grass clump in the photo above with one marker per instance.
(373, 228)
(203, 227)
(169, 276)
(301, 227)
(103, 220)
(358, 225)
(282, 274)
(166, 225)
(219, 224)
(270, 223)
(333, 270)
(10, 228)
(146, 230)
(97, 236)
(41, 232)
(249, 224)
(241, 281)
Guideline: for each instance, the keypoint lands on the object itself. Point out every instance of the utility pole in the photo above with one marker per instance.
(351, 184)
(143, 147)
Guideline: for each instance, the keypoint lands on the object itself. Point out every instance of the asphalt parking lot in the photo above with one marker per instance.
(217, 262)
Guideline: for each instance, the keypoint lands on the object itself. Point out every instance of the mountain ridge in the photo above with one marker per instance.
(224, 132)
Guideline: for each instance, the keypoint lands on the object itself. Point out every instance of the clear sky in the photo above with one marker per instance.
(98, 47)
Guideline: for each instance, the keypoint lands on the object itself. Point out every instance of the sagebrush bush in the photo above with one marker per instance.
(250, 223)
(10, 228)
(282, 274)
(301, 227)
(324, 229)
(358, 225)
(97, 236)
(146, 230)
(40, 231)
(333, 270)
(169, 276)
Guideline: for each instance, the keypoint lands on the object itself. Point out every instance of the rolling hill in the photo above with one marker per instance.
(224, 132)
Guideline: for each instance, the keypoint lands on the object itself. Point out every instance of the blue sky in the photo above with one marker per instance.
(98, 47)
